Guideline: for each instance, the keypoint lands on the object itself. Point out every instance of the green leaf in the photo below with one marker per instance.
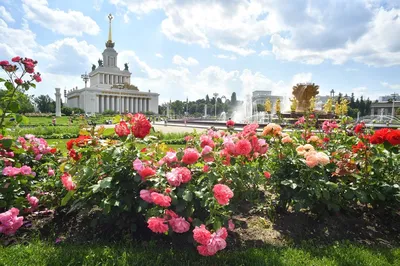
(67, 197)
(181, 206)
(95, 188)
(6, 143)
(348, 194)
(325, 194)
(106, 182)
(187, 195)
(116, 119)
(14, 107)
(2, 80)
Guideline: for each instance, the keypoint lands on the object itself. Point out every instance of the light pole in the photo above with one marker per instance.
(332, 94)
(223, 100)
(393, 100)
(215, 97)
(85, 78)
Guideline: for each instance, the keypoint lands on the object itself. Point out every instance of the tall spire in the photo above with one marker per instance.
(109, 43)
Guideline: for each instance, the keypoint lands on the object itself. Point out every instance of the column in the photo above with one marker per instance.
(112, 103)
(99, 79)
(123, 104)
(131, 105)
(148, 105)
(105, 79)
(100, 104)
(117, 104)
(140, 105)
(97, 103)
(58, 102)
(106, 107)
(372, 111)
(110, 100)
(126, 104)
(144, 105)
(136, 104)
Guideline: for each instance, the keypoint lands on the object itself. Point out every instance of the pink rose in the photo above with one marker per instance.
(137, 165)
(222, 194)
(16, 59)
(160, 199)
(26, 170)
(146, 195)
(19, 81)
(67, 182)
(206, 168)
(206, 140)
(178, 175)
(51, 172)
(9, 222)
(190, 156)
(231, 225)
(179, 225)
(37, 77)
(243, 147)
(157, 225)
(33, 201)
(201, 235)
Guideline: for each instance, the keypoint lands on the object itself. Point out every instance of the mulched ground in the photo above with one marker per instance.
(368, 227)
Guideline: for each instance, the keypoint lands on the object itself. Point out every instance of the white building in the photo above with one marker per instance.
(259, 97)
(110, 88)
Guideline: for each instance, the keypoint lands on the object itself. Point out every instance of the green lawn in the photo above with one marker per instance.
(41, 253)
(60, 144)
(64, 120)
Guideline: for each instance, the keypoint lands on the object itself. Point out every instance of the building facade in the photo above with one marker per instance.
(385, 108)
(110, 88)
(259, 97)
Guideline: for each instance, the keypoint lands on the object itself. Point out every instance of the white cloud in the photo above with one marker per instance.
(71, 23)
(265, 53)
(223, 56)
(359, 91)
(159, 55)
(304, 31)
(349, 69)
(179, 60)
(16, 41)
(390, 86)
(97, 4)
(4, 14)
(301, 78)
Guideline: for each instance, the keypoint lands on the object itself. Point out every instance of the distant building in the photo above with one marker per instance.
(388, 97)
(384, 108)
(110, 88)
(259, 97)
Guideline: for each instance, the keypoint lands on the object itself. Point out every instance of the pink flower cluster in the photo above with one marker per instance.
(10, 222)
(38, 146)
(160, 225)
(209, 243)
(27, 63)
(328, 126)
(14, 171)
(33, 201)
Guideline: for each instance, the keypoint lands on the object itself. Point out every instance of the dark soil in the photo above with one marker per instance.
(368, 227)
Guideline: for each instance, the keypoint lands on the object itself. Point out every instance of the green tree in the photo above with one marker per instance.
(45, 104)
(207, 99)
(233, 99)
(260, 108)
(24, 101)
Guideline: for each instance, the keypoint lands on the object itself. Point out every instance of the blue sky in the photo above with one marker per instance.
(187, 48)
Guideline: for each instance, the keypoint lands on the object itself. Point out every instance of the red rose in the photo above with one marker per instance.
(147, 171)
(122, 129)
(267, 175)
(140, 126)
(393, 137)
(359, 128)
(4, 63)
(16, 59)
(380, 136)
(76, 156)
(37, 77)
(230, 123)
(53, 150)
(19, 81)
(70, 144)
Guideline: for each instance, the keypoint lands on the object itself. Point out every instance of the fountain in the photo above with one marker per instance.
(303, 93)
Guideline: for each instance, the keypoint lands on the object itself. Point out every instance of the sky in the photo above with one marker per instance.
(187, 49)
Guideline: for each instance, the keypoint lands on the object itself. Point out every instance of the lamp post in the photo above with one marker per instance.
(393, 100)
(332, 93)
(215, 97)
(85, 78)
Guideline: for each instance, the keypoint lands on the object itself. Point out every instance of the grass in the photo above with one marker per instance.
(43, 253)
(60, 144)
(64, 120)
